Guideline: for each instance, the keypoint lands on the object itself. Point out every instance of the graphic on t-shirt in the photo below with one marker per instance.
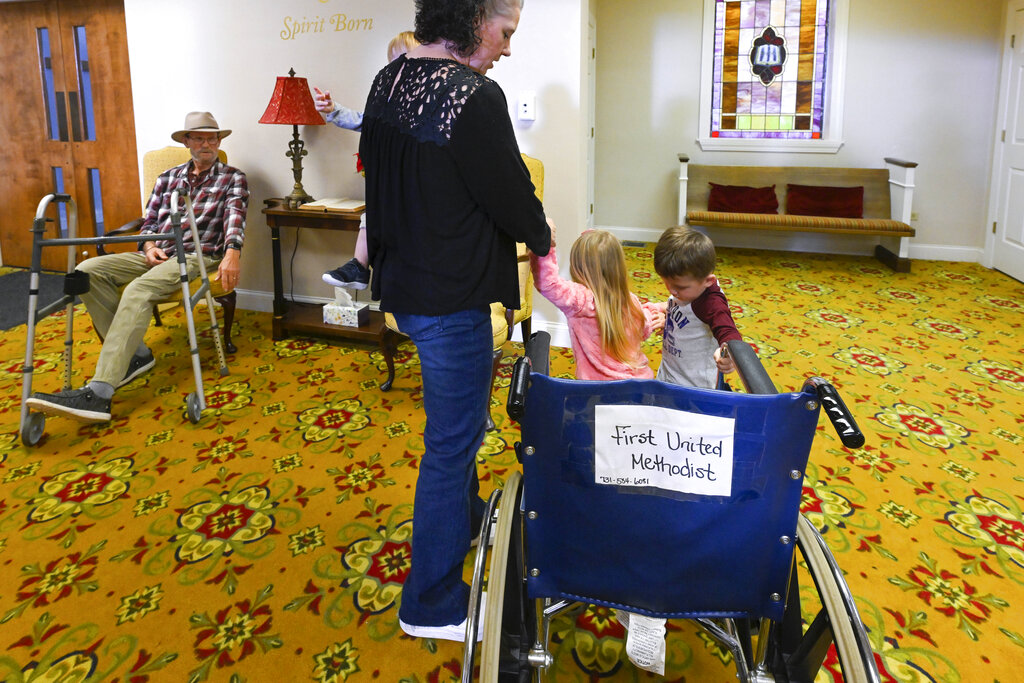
(675, 318)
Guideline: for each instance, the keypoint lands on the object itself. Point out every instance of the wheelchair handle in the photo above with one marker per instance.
(538, 350)
(516, 403)
(534, 360)
(840, 416)
(753, 375)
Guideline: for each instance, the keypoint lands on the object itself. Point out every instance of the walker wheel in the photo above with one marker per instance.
(192, 408)
(32, 431)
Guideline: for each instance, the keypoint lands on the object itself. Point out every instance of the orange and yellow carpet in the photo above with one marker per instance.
(269, 542)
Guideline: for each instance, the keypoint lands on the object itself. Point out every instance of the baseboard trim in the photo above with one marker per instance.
(559, 331)
(853, 245)
(263, 302)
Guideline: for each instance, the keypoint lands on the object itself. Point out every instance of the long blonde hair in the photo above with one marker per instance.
(598, 262)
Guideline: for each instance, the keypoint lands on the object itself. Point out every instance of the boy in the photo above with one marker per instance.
(697, 317)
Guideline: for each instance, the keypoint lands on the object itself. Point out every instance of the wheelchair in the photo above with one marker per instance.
(33, 424)
(627, 501)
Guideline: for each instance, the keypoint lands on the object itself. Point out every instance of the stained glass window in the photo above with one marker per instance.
(769, 69)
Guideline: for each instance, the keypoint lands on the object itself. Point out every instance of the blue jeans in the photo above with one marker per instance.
(455, 357)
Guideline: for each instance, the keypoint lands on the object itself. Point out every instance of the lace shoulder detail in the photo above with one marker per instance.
(423, 97)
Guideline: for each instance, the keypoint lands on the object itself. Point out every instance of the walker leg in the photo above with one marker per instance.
(30, 336)
(209, 295)
(69, 343)
(195, 403)
(221, 358)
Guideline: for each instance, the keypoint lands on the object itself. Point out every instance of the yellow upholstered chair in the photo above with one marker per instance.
(522, 315)
(503, 320)
(155, 162)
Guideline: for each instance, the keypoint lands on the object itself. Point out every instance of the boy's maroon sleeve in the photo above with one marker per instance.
(713, 310)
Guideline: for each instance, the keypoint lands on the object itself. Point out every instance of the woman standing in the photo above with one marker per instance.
(447, 198)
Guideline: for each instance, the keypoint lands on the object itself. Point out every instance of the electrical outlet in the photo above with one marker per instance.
(527, 109)
(913, 215)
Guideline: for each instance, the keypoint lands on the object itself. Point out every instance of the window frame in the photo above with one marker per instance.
(835, 83)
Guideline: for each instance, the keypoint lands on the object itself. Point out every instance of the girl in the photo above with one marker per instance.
(607, 322)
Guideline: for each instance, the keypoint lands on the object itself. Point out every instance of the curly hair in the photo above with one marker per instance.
(456, 23)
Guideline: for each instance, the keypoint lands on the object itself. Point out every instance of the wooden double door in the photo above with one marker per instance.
(67, 121)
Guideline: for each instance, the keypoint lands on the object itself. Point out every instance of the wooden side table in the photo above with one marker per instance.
(299, 318)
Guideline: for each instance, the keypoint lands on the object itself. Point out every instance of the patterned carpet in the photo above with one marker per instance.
(269, 542)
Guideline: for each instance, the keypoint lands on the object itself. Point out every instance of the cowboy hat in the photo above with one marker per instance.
(199, 122)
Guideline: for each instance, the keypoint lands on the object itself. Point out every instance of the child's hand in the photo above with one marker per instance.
(657, 318)
(723, 361)
(322, 100)
(551, 226)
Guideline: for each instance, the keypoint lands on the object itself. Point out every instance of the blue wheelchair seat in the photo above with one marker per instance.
(655, 551)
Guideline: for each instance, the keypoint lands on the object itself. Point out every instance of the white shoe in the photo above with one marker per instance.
(456, 632)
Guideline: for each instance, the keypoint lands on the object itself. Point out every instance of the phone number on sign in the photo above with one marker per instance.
(624, 481)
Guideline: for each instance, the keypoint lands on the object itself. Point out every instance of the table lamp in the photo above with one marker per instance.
(292, 104)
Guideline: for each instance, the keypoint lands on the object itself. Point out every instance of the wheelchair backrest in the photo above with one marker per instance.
(666, 500)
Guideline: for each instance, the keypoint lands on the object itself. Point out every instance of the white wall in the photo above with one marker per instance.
(921, 85)
(227, 64)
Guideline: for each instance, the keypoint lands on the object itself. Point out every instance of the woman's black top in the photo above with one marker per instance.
(447, 193)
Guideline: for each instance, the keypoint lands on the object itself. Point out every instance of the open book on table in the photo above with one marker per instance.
(336, 204)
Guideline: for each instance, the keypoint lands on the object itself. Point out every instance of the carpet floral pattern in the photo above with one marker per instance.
(270, 541)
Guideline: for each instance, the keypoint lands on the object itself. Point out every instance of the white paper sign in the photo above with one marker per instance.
(645, 641)
(674, 450)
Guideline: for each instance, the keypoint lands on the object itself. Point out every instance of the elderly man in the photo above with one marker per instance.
(220, 197)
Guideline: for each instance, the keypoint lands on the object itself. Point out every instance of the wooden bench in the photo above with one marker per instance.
(888, 196)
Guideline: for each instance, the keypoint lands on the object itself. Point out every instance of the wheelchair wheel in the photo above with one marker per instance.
(192, 408)
(32, 431)
(508, 620)
(837, 621)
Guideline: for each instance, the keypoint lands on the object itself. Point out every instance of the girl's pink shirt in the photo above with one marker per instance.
(576, 301)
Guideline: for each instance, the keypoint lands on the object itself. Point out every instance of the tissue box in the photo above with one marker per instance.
(349, 316)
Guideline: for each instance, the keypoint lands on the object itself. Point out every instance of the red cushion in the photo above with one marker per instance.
(819, 200)
(742, 199)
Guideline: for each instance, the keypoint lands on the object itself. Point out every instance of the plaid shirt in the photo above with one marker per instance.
(220, 198)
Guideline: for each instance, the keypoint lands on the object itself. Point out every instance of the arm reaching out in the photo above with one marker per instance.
(322, 100)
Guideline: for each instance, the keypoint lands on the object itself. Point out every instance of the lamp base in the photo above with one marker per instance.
(297, 198)
(296, 150)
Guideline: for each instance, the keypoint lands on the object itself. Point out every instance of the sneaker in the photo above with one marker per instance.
(353, 275)
(456, 632)
(80, 404)
(138, 365)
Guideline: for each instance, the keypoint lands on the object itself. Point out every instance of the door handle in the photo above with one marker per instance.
(62, 117)
(76, 117)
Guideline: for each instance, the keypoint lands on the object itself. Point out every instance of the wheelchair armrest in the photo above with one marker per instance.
(126, 229)
(753, 375)
(538, 347)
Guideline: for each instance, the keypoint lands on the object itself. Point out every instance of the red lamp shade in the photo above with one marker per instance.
(292, 103)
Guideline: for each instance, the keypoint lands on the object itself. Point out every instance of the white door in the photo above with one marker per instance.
(591, 116)
(1008, 248)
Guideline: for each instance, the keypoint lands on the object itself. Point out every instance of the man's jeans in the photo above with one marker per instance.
(455, 357)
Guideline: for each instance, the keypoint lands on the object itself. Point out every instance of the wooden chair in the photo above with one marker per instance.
(503, 320)
(155, 162)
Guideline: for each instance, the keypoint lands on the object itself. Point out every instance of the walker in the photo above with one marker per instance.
(75, 282)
